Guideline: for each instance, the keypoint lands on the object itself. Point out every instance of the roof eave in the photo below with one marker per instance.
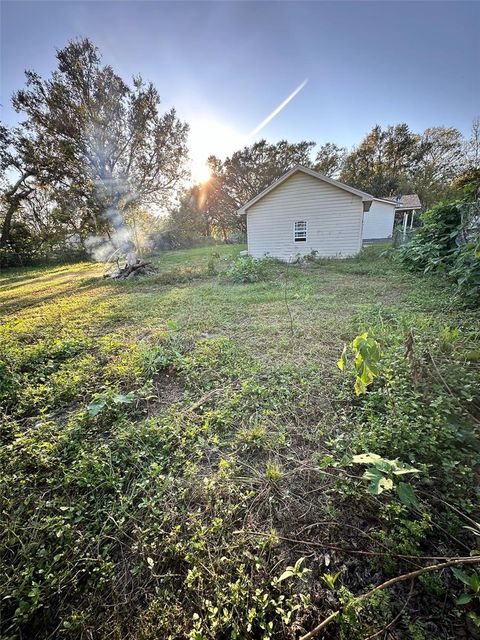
(385, 201)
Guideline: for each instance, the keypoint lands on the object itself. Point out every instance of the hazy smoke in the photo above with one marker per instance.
(120, 241)
(101, 249)
(110, 188)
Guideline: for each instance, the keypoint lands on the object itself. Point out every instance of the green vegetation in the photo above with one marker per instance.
(181, 457)
(247, 269)
(435, 247)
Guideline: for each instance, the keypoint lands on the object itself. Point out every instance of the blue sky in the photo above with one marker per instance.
(226, 65)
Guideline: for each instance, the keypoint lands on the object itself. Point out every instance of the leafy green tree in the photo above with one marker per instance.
(204, 212)
(214, 204)
(468, 181)
(101, 144)
(472, 146)
(189, 220)
(16, 160)
(382, 160)
(395, 160)
(441, 159)
(330, 159)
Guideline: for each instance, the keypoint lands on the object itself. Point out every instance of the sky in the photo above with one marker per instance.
(227, 66)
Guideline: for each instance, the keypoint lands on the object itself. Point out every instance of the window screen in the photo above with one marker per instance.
(300, 231)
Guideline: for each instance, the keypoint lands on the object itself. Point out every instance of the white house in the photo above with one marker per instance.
(305, 211)
(378, 221)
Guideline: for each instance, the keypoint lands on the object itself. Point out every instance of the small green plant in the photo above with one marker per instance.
(273, 473)
(212, 263)
(472, 582)
(382, 475)
(108, 399)
(366, 361)
(360, 618)
(253, 437)
(330, 579)
(313, 256)
(297, 571)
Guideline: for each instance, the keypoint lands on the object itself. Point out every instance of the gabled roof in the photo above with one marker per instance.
(366, 197)
(409, 201)
(385, 200)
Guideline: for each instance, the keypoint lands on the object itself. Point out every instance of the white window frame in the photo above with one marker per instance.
(300, 235)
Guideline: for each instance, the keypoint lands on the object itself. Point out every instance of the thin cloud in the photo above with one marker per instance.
(276, 111)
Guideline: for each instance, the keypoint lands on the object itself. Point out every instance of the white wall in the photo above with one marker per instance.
(334, 220)
(378, 222)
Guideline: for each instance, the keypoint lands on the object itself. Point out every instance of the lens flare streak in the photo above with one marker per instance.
(276, 111)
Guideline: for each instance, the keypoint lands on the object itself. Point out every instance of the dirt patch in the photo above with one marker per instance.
(167, 390)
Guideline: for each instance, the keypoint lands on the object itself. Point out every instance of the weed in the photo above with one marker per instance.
(273, 473)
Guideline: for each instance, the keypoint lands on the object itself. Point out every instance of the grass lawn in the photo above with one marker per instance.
(171, 444)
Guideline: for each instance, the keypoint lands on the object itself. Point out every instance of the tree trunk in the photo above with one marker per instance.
(13, 197)
(7, 224)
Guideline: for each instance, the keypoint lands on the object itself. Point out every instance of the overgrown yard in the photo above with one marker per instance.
(177, 452)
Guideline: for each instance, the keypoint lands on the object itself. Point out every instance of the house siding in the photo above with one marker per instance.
(334, 220)
(378, 221)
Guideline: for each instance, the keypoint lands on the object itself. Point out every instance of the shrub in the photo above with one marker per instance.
(247, 269)
(465, 271)
(434, 248)
(212, 263)
(435, 240)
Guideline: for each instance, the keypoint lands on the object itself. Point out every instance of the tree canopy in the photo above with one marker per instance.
(100, 146)
(330, 159)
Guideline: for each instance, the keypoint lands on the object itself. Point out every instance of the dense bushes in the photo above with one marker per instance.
(465, 271)
(247, 269)
(437, 247)
(41, 257)
(174, 239)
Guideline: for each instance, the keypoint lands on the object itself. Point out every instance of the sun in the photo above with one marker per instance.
(200, 172)
(209, 136)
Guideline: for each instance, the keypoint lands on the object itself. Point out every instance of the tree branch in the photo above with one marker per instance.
(389, 583)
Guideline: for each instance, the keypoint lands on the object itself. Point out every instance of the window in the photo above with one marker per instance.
(300, 231)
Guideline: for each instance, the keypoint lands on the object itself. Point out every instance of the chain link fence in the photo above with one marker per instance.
(470, 230)
(403, 236)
